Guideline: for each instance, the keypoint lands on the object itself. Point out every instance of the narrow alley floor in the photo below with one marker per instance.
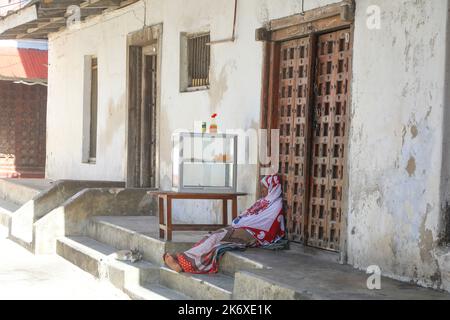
(27, 277)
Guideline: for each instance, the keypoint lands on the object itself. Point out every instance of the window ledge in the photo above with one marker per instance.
(90, 162)
(195, 89)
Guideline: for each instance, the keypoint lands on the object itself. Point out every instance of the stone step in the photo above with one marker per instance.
(153, 292)
(27, 244)
(106, 230)
(3, 232)
(251, 286)
(119, 237)
(139, 280)
(20, 191)
(199, 287)
(94, 257)
(233, 262)
(7, 211)
(7, 208)
(22, 223)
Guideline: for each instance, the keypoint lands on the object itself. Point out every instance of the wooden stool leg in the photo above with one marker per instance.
(169, 219)
(225, 213)
(161, 218)
(234, 212)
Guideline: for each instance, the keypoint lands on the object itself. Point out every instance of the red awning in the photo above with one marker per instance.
(23, 64)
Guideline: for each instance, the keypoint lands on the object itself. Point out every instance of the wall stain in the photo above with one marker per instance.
(403, 136)
(427, 245)
(219, 86)
(411, 167)
(414, 131)
(429, 111)
(115, 114)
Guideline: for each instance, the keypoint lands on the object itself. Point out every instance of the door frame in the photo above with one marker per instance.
(311, 24)
(137, 43)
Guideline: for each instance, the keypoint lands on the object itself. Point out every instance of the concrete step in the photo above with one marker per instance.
(22, 223)
(7, 211)
(199, 287)
(153, 292)
(7, 208)
(27, 244)
(94, 257)
(122, 233)
(139, 280)
(20, 191)
(107, 230)
(3, 232)
(233, 262)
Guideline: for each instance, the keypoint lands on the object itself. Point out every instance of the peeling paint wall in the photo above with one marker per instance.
(395, 156)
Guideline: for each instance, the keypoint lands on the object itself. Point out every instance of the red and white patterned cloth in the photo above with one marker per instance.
(264, 221)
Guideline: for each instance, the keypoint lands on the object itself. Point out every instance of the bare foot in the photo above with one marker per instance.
(172, 263)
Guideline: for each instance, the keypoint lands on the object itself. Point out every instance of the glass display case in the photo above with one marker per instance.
(204, 163)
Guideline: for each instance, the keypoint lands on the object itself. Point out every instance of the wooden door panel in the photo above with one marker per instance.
(295, 59)
(329, 141)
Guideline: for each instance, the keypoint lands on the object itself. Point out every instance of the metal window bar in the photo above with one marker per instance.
(198, 60)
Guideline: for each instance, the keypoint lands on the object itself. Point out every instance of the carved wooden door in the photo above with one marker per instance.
(293, 104)
(312, 108)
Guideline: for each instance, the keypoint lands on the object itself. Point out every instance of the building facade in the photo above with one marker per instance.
(358, 91)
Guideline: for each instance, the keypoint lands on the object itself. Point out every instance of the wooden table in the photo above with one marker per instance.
(165, 200)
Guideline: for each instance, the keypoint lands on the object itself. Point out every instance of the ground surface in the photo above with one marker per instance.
(25, 276)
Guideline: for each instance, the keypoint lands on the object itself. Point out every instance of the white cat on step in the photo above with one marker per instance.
(132, 256)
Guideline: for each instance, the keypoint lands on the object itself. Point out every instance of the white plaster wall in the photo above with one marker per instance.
(105, 38)
(396, 140)
(234, 92)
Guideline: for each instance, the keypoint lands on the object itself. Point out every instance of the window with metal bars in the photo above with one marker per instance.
(198, 60)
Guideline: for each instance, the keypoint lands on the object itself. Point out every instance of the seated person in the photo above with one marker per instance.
(261, 225)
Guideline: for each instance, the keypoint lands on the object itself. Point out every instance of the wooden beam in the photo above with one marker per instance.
(345, 8)
(330, 17)
(49, 16)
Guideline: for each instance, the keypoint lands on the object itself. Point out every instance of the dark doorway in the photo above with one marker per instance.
(143, 100)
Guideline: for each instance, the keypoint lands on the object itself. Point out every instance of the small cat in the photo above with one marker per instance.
(132, 256)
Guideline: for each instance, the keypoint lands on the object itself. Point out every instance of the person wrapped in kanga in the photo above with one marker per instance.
(259, 226)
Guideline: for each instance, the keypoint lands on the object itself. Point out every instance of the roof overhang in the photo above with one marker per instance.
(29, 82)
(29, 66)
(41, 17)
